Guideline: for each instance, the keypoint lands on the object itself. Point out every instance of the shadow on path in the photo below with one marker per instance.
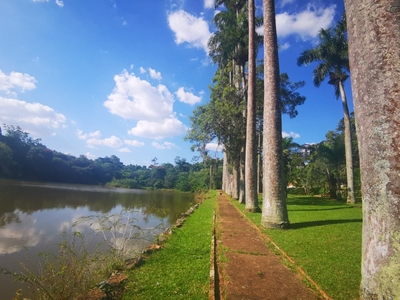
(246, 266)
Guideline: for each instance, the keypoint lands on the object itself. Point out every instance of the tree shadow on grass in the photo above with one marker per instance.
(322, 223)
(320, 209)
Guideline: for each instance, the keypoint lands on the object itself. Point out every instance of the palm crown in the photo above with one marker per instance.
(331, 54)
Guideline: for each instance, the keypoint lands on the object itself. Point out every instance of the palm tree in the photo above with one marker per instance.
(274, 211)
(251, 153)
(374, 52)
(333, 62)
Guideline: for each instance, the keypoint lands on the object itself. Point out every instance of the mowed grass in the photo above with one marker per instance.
(181, 270)
(324, 239)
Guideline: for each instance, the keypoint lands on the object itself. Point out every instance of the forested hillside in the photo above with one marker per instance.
(25, 158)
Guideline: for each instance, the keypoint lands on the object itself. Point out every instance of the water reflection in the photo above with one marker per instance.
(32, 215)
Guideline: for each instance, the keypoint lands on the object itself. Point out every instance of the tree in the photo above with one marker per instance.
(251, 147)
(6, 160)
(333, 62)
(374, 39)
(274, 211)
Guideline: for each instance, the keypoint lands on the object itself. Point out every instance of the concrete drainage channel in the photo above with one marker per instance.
(214, 293)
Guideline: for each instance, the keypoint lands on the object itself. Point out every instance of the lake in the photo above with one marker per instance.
(34, 215)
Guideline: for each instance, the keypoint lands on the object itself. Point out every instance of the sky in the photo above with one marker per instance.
(122, 77)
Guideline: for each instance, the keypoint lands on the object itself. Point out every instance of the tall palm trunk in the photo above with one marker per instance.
(274, 211)
(351, 197)
(251, 166)
(374, 39)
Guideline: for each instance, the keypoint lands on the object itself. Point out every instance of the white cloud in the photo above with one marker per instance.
(133, 98)
(95, 134)
(154, 74)
(157, 130)
(90, 155)
(290, 134)
(142, 70)
(208, 3)
(285, 2)
(165, 145)
(16, 79)
(125, 150)
(15, 237)
(134, 143)
(189, 29)
(35, 118)
(112, 141)
(60, 3)
(214, 147)
(187, 97)
(306, 23)
(284, 46)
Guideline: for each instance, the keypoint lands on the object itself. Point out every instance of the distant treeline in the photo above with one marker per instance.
(24, 158)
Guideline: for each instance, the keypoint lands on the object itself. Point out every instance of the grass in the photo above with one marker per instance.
(182, 268)
(324, 239)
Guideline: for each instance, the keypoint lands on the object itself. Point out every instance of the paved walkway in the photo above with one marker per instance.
(248, 269)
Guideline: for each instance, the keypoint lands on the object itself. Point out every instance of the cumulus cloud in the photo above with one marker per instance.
(284, 46)
(284, 2)
(290, 134)
(214, 147)
(112, 141)
(154, 74)
(125, 150)
(134, 143)
(187, 97)
(306, 23)
(82, 136)
(90, 155)
(35, 118)
(133, 98)
(159, 129)
(208, 3)
(14, 80)
(93, 139)
(165, 145)
(142, 70)
(189, 29)
(60, 3)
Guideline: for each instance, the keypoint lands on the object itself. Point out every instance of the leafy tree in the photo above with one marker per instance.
(6, 160)
(333, 62)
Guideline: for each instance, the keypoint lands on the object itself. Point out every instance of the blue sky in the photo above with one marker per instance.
(122, 77)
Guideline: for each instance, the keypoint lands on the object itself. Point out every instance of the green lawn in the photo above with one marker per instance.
(324, 239)
(181, 270)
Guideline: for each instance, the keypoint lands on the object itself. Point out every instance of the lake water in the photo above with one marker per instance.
(33, 216)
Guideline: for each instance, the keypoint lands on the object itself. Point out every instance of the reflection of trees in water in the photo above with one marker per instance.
(9, 217)
(28, 199)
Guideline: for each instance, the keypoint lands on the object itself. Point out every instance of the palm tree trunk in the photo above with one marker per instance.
(259, 162)
(250, 171)
(374, 39)
(274, 211)
(348, 144)
(242, 164)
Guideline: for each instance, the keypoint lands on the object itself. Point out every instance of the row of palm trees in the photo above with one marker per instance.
(234, 96)
(374, 56)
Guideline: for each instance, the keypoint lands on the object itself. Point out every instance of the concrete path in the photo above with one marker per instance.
(247, 269)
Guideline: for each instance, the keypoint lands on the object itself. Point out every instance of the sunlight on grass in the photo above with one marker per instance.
(182, 268)
(324, 239)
